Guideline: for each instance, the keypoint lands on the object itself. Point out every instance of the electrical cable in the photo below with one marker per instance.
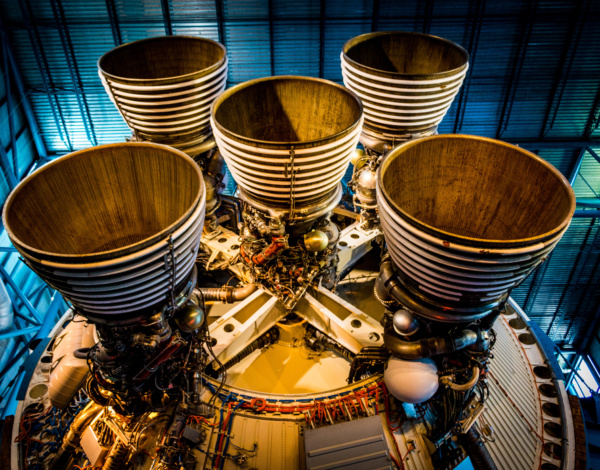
(223, 374)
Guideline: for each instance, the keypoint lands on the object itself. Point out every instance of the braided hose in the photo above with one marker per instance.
(117, 456)
(269, 337)
(227, 294)
(475, 447)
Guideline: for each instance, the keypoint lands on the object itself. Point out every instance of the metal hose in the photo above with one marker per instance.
(269, 337)
(475, 447)
(81, 353)
(427, 347)
(319, 341)
(116, 457)
(228, 294)
(463, 387)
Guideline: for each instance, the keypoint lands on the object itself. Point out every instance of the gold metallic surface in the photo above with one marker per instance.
(190, 318)
(358, 154)
(315, 241)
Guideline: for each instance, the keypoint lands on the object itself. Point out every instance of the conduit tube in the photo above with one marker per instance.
(477, 451)
(227, 294)
(116, 458)
(278, 243)
(428, 347)
(463, 387)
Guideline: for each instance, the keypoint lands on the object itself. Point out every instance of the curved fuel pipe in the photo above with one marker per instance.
(463, 387)
(73, 437)
(227, 294)
(427, 347)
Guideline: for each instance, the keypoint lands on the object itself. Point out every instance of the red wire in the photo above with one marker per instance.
(222, 432)
(387, 420)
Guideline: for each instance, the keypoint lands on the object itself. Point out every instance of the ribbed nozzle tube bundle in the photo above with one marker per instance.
(113, 228)
(406, 81)
(164, 87)
(287, 140)
(467, 218)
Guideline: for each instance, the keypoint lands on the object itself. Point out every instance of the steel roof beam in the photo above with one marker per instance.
(113, 18)
(18, 135)
(322, 39)
(10, 111)
(562, 73)
(553, 144)
(515, 75)
(271, 37)
(67, 45)
(473, 44)
(13, 68)
(9, 280)
(44, 69)
(591, 325)
(166, 12)
(586, 213)
(594, 119)
(567, 293)
(593, 202)
(577, 166)
(220, 25)
(375, 16)
(6, 166)
(90, 21)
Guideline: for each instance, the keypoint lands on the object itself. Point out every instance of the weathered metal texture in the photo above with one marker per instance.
(468, 218)
(104, 225)
(164, 87)
(358, 443)
(527, 408)
(287, 140)
(406, 81)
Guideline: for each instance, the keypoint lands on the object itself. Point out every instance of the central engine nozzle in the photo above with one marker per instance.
(287, 140)
(114, 228)
(466, 219)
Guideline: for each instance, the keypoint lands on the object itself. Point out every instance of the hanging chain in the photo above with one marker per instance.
(292, 184)
(173, 272)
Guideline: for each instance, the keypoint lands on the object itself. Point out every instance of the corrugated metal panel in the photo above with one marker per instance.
(567, 285)
(515, 447)
(11, 109)
(248, 40)
(587, 183)
(297, 48)
(352, 445)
